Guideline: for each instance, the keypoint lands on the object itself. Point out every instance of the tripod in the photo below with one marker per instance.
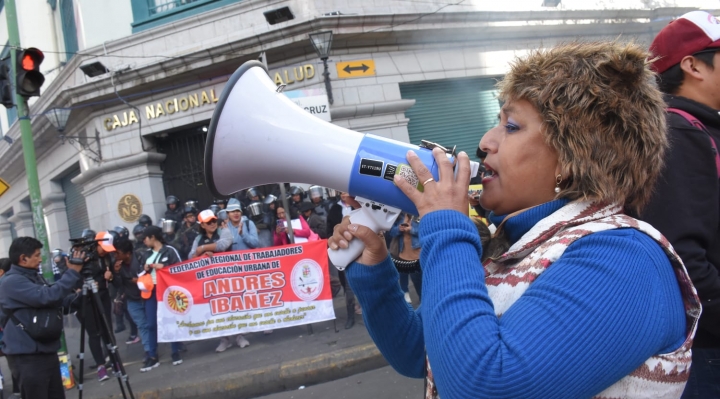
(90, 290)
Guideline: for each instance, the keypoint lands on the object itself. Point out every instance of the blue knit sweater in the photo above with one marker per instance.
(609, 303)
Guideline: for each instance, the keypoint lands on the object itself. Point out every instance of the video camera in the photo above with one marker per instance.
(88, 246)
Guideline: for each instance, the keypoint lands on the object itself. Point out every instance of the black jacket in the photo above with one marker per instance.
(334, 218)
(125, 280)
(318, 225)
(23, 289)
(685, 208)
(176, 215)
(167, 256)
(98, 268)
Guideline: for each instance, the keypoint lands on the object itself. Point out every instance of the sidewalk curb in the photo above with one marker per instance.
(277, 378)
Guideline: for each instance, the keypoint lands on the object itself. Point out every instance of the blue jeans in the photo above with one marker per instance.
(136, 308)
(704, 381)
(151, 305)
(417, 282)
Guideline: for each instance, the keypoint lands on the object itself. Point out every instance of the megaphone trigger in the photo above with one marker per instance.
(371, 214)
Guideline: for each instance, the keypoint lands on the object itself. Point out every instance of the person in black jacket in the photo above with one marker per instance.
(35, 364)
(336, 214)
(100, 269)
(685, 206)
(174, 210)
(125, 278)
(158, 256)
(317, 223)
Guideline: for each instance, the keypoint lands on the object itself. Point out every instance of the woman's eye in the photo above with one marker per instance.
(510, 128)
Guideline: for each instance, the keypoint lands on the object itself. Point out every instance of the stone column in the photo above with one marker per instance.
(5, 236)
(104, 186)
(56, 221)
(22, 218)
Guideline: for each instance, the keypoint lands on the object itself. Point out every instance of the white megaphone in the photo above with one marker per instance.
(256, 130)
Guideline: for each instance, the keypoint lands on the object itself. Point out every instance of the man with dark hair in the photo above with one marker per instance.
(685, 206)
(22, 291)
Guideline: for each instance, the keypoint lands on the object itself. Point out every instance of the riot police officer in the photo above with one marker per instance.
(174, 211)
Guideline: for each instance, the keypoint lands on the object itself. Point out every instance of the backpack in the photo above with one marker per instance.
(695, 122)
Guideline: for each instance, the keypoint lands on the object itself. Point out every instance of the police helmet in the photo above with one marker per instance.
(270, 199)
(145, 220)
(122, 231)
(252, 192)
(316, 191)
(214, 208)
(189, 209)
(88, 234)
(295, 190)
(138, 230)
(171, 199)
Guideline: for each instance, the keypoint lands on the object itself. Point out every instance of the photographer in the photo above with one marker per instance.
(24, 297)
(98, 265)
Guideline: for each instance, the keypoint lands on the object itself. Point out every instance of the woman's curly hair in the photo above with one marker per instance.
(603, 114)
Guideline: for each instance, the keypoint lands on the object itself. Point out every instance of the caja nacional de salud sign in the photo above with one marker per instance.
(244, 291)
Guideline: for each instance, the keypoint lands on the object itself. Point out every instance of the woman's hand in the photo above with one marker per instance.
(445, 193)
(375, 249)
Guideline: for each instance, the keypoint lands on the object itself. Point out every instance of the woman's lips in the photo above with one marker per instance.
(489, 175)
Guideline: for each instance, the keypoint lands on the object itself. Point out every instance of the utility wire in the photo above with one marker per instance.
(205, 57)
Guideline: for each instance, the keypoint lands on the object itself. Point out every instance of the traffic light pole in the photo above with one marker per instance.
(28, 145)
(29, 154)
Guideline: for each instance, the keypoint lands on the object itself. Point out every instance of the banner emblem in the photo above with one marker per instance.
(178, 300)
(307, 280)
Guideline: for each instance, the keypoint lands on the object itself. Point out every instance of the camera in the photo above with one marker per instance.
(88, 246)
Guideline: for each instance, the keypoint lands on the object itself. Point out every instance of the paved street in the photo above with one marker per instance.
(383, 383)
(278, 362)
(285, 359)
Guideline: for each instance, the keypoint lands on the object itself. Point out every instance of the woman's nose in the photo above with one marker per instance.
(488, 143)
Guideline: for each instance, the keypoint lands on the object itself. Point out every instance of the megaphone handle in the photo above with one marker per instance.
(375, 216)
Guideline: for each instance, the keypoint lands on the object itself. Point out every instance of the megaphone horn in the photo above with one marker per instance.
(257, 136)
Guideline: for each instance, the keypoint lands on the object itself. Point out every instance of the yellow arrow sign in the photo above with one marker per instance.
(3, 187)
(355, 69)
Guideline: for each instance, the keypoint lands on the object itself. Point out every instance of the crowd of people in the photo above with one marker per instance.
(123, 269)
(596, 275)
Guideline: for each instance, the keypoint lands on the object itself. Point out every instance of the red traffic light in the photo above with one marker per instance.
(28, 75)
(31, 59)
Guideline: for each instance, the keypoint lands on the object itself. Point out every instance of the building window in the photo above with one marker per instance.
(151, 13)
(161, 6)
(67, 15)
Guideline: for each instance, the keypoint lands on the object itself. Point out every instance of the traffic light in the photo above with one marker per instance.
(6, 94)
(29, 79)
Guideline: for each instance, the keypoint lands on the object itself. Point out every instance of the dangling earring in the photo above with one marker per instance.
(558, 180)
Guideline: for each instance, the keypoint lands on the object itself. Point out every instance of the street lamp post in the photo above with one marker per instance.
(322, 41)
(59, 117)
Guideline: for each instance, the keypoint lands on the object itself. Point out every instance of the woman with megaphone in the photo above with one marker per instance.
(582, 301)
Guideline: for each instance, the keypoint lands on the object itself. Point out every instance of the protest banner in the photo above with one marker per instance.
(244, 291)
